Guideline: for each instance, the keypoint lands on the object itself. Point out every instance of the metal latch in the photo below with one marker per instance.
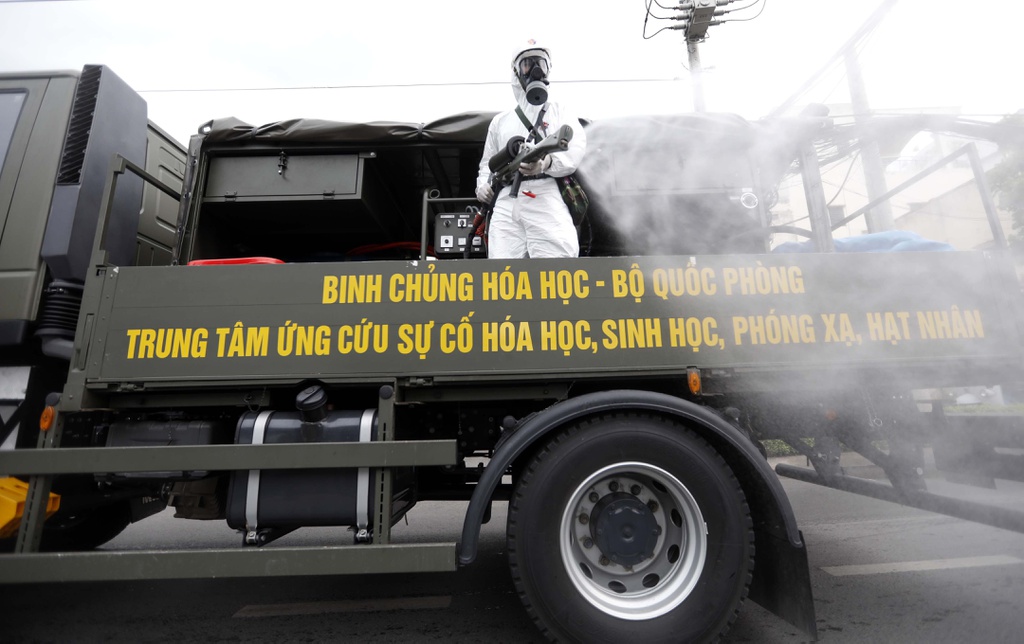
(282, 163)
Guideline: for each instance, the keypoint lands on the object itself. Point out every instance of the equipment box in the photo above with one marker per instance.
(300, 208)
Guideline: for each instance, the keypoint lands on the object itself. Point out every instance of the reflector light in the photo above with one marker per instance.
(46, 418)
(693, 379)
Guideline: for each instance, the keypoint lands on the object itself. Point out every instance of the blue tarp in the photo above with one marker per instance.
(892, 241)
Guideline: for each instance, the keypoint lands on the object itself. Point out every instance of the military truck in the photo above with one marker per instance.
(328, 346)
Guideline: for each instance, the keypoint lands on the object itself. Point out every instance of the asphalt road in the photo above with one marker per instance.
(880, 573)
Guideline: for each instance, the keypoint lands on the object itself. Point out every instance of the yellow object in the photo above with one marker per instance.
(13, 493)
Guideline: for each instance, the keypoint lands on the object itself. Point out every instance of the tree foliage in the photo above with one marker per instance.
(1007, 180)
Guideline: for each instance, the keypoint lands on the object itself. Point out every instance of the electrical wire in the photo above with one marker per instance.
(727, 11)
(824, 101)
(859, 36)
(856, 51)
(849, 170)
(714, 22)
(763, 4)
(657, 32)
(578, 81)
(834, 65)
(651, 15)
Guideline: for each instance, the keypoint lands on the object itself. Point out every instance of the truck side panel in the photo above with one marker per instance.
(165, 159)
(108, 118)
(586, 317)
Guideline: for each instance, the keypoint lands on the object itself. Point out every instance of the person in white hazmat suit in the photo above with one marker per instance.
(535, 222)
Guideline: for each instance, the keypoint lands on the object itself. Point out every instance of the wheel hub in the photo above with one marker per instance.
(624, 528)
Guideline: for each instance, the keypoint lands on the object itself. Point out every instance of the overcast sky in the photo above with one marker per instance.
(455, 54)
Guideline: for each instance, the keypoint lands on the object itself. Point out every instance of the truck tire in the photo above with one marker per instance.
(630, 527)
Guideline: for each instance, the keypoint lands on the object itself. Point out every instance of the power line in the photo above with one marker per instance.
(651, 15)
(696, 16)
(394, 85)
(763, 3)
(860, 35)
(842, 185)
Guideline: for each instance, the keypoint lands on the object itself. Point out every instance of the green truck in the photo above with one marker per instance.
(318, 341)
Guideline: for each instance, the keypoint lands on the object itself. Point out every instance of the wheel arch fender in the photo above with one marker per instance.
(781, 576)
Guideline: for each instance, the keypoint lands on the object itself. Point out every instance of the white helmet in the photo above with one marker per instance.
(530, 48)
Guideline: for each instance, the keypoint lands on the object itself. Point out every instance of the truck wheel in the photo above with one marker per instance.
(630, 527)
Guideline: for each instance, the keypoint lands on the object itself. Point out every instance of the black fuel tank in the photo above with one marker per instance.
(291, 498)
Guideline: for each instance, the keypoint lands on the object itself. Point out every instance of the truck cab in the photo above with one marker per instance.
(58, 134)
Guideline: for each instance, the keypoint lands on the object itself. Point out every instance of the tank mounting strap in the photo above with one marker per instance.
(252, 489)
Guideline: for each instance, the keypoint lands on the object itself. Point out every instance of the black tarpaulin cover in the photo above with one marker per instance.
(468, 127)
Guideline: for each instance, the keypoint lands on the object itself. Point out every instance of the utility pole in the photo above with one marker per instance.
(696, 28)
(863, 32)
(696, 76)
(696, 17)
(879, 218)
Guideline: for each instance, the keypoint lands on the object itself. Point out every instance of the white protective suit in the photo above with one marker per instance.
(537, 226)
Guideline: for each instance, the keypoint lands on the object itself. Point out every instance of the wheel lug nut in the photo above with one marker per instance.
(656, 531)
(588, 543)
(652, 506)
(635, 490)
(603, 561)
(584, 519)
(594, 498)
(613, 486)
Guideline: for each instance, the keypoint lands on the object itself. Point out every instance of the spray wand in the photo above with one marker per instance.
(505, 170)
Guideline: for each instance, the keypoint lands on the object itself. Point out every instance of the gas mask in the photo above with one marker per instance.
(532, 72)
